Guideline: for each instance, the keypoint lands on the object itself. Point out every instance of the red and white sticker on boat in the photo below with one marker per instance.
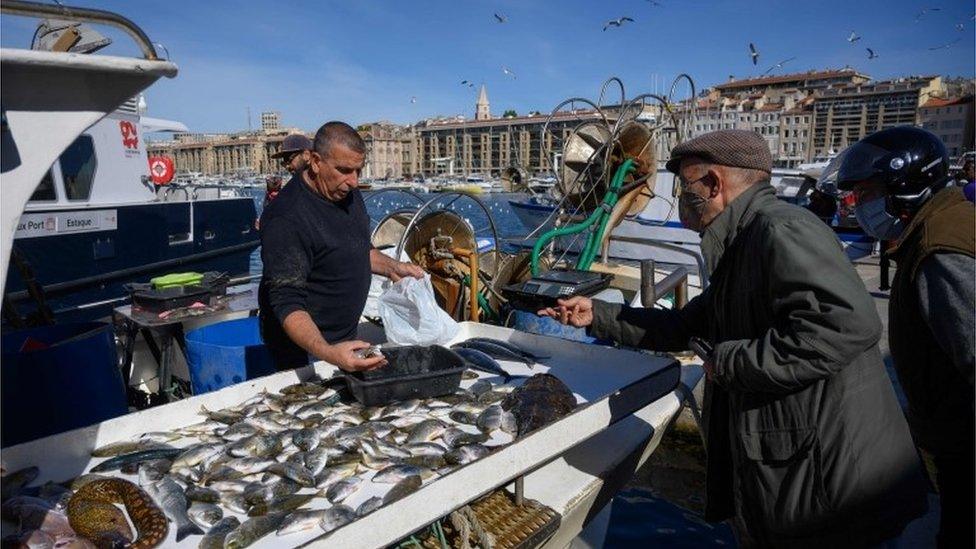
(161, 169)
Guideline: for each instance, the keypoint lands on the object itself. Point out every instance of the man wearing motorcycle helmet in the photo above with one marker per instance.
(904, 194)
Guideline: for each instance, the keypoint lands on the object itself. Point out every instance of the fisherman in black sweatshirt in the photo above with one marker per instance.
(318, 258)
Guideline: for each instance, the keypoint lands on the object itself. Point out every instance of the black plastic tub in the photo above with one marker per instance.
(412, 372)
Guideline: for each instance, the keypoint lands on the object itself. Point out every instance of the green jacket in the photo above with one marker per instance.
(806, 443)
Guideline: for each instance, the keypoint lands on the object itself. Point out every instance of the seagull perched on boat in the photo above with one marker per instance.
(617, 22)
(509, 72)
(945, 46)
(924, 11)
(754, 53)
(778, 65)
(871, 54)
(500, 18)
(853, 37)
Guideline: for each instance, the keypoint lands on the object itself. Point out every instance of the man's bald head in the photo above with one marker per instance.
(337, 133)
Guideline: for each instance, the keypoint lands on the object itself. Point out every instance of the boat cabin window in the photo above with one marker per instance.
(78, 168)
(45, 190)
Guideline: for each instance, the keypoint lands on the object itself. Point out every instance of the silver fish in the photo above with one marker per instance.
(336, 517)
(395, 473)
(480, 361)
(252, 530)
(235, 502)
(196, 454)
(401, 408)
(425, 449)
(369, 506)
(300, 521)
(480, 387)
(264, 492)
(403, 488)
(205, 515)
(379, 449)
(495, 418)
(221, 416)
(408, 421)
(170, 497)
(202, 494)
(153, 471)
(234, 486)
(306, 439)
(463, 417)
(284, 504)
(214, 539)
(261, 446)
(426, 431)
(467, 454)
(455, 437)
(343, 489)
(331, 475)
(239, 430)
(294, 471)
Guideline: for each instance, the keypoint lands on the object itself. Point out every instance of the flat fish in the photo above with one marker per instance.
(92, 513)
(214, 538)
(481, 361)
(542, 399)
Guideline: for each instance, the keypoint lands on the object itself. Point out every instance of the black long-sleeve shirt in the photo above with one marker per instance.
(316, 259)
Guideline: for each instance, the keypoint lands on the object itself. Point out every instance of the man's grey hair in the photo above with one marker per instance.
(741, 177)
(337, 133)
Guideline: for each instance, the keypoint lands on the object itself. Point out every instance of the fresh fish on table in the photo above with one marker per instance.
(93, 514)
(196, 454)
(425, 449)
(293, 471)
(426, 431)
(238, 431)
(495, 418)
(205, 515)
(307, 388)
(202, 494)
(282, 504)
(535, 357)
(214, 539)
(168, 495)
(127, 447)
(466, 454)
(333, 474)
(481, 361)
(252, 530)
(455, 437)
(12, 484)
(494, 350)
(343, 489)
(369, 506)
(117, 462)
(153, 470)
(264, 492)
(461, 416)
(395, 473)
(300, 521)
(221, 416)
(402, 489)
(426, 462)
(161, 436)
(336, 517)
(542, 399)
(259, 446)
(306, 439)
(235, 502)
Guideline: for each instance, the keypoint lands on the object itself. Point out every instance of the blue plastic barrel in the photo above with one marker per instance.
(226, 353)
(59, 378)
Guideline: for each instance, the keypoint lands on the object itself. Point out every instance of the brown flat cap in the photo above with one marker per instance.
(735, 148)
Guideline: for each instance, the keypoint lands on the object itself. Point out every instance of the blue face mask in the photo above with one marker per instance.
(874, 218)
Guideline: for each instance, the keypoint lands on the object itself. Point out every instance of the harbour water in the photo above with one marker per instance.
(639, 514)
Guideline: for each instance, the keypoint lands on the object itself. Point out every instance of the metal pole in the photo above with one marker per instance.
(520, 491)
(648, 293)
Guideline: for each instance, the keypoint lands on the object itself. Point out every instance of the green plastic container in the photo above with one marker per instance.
(175, 280)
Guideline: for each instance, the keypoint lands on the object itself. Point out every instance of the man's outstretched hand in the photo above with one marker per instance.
(344, 356)
(575, 311)
(402, 270)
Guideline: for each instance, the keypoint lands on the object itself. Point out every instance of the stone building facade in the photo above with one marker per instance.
(235, 154)
(951, 120)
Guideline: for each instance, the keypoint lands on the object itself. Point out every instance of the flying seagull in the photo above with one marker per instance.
(853, 37)
(778, 65)
(924, 11)
(413, 99)
(754, 53)
(509, 72)
(617, 22)
(500, 18)
(960, 27)
(871, 54)
(654, 3)
(945, 46)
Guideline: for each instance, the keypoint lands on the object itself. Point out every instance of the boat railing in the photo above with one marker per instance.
(87, 15)
(676, 281)
(699, 259)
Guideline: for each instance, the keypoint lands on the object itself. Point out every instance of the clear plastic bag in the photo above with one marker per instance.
(411, 316)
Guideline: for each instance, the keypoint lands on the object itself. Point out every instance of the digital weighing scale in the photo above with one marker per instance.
(545, 288)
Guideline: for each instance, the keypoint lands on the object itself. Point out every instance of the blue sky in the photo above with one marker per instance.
(363, 60)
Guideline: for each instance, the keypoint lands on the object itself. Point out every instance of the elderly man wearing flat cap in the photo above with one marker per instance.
(806, 443)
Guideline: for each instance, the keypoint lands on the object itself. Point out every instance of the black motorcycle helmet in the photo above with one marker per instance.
(912, 163)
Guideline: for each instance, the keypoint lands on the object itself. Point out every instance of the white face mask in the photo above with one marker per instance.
(874, 218)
